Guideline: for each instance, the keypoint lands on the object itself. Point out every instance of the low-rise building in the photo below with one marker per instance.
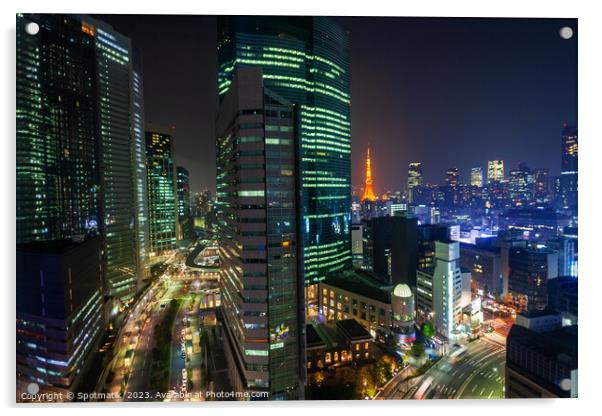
(333, 346)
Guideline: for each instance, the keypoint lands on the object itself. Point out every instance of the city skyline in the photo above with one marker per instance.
(435, 54)
(292, 280)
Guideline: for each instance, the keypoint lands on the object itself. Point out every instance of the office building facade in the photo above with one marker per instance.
(162, 197)
(262, 287)
(185, 230)
(305, 60)
(59, 312)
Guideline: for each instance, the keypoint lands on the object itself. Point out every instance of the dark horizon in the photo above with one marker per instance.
(459, 92)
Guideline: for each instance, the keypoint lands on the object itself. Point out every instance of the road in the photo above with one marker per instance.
(478, 373)
(133, 360)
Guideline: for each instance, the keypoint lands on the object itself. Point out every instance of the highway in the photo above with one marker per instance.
(477, 373)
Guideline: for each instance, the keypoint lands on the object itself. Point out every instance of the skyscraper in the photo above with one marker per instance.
(183, 190)
(305, 60)
(262, 285)
(162, 208)
(495, 171)
(369, 194)
(114, 72)
(140, 173)
(541, 185)
(569, 168)
(57, 154)
(476, 177)
(414, 179)
(520, 185)
(75, 148)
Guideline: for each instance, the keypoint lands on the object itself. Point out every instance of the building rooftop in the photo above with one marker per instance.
(362, 283)
(353, 330)
(560, 344)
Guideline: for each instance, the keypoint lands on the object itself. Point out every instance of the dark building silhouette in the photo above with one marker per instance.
(541, 365)
(59, 311)
(394, 249)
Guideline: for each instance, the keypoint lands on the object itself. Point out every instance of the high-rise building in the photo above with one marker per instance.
(569, 168)
(140, 173)
(476, 177)
(414, 180)
(394, 249)
(541, 185)
(449, 285)
(114, 73)
(305, 60)
(368, 194)
(520, 185)
(162, 208)
(185, 230)
(495, 171)
(59, 312)
(57, 154)
(530, 270)
(76, 141)
(484, 262)
(262, 285)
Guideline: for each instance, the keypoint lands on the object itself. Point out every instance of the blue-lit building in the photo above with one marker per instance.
(59, 311)
(305, 60)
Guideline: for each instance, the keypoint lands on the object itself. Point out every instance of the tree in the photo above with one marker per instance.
(417, 349)
(427, 330)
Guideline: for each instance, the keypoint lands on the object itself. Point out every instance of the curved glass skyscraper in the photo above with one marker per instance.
(306, 61)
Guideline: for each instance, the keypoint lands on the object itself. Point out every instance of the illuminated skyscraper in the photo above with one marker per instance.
(369, 194)
(140, 173)
(414, 179)
(57, 155)
(476, 177)
(114, 73)
(520, 185)
(569, 171)
(541, 185)
(161, 190)
(495, 171)
(305, 60)
(76, 153)
(261, 280)
(184, 217)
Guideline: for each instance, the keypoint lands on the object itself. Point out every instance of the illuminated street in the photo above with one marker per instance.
(477, 373)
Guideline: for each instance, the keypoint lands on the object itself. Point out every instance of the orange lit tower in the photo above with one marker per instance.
(368, 190)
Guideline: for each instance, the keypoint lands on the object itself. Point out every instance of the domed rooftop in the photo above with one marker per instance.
(402, 291)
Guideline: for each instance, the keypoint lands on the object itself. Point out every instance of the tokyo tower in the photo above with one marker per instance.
(368, 190)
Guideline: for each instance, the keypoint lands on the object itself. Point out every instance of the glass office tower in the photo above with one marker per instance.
(162, 207)
(56, 149)
(140, 174)
(114, 86)
(306, 61)
(260, 275)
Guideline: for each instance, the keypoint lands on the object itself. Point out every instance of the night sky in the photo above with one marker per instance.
(444, 92)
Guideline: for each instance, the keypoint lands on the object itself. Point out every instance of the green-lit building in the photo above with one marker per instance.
(79, 117)
(162, 207)
(57, 154)
(305, 60)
